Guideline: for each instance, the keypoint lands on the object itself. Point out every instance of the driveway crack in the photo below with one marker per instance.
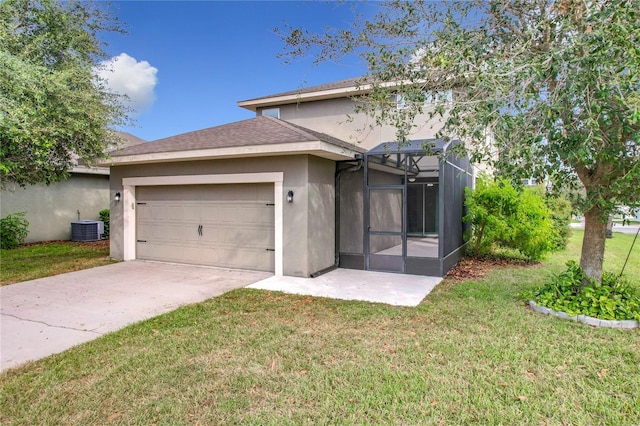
(51, 325)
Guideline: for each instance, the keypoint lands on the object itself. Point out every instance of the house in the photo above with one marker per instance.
(50, 209)
(297, 190)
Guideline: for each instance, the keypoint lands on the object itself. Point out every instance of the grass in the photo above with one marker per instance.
(471, 353)
(616, 251)
(44, 260)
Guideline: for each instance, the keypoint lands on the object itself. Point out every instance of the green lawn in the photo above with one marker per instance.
(471, 353)
(616, 251)
(47, 259)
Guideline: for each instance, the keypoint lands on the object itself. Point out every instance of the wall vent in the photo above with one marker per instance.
(87, 230)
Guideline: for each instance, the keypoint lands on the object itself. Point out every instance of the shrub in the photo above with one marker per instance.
(533, 226)
(13, 230)
(613, 299)
(104, 216)
(502, 216)
(488, 206)
(560, 209)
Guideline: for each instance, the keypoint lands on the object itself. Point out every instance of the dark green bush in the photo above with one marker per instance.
(14, 228)
(104, 216)
(613, 299)
(502, 216)
(560, 209)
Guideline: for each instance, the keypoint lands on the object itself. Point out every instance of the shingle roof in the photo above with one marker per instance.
(127, 139)
(255, 131)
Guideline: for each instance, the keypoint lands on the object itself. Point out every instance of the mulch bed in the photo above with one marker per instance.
(75, 243)
(478, 267)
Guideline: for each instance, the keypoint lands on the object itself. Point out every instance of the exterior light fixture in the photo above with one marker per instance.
(290, 197)
(117, 197)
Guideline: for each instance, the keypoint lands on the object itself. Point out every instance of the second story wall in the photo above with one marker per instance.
(332, 116)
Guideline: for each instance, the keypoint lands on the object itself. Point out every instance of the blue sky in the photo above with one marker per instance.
(186, 64)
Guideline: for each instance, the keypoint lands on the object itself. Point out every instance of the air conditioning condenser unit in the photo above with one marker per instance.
(87, 230)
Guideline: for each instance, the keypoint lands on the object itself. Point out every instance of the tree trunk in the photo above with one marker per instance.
(595, 229)
(479, 238)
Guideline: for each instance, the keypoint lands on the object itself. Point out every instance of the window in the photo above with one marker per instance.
(271, 112)
(429, 98)
(438, 97)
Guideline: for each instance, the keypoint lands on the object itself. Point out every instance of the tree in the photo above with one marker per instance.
(540, 87)
(53, 110)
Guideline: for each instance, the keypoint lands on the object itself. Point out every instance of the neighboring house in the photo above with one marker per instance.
(297, 190)
(50, 209)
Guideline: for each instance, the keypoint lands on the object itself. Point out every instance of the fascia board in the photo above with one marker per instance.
(90, 170)
(254, 104)
(318, 148)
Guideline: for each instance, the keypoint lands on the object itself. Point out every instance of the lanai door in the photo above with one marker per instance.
(386, 246)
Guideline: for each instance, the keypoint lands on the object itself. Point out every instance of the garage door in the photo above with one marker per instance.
(218, 225)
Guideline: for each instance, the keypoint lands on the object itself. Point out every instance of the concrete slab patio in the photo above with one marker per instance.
(349, 284)
(49, 315)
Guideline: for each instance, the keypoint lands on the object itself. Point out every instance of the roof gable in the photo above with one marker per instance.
(255, 137)
(251, 132)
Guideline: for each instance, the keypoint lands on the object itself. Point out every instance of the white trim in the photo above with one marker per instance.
(278, 193)
(458, 167)
(344, 92)
(129, 222)
(90, 170)
(319, 148)
(204, 179)
(129, 203)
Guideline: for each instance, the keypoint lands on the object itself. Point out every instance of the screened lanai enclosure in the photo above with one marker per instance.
(400, 209)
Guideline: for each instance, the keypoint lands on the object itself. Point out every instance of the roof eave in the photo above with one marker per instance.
(254, 104)
(317, 148)
(99, 169)
(318, 95)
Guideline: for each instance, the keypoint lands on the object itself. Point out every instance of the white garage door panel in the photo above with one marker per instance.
(219, 225)
(241, 258)
(174, 233)
(233, 237)
(167, 253)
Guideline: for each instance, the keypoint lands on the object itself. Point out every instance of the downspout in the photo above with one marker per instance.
(339, 174)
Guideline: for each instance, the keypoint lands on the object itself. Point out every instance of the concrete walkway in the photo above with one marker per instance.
(49, 315)
(349, 284)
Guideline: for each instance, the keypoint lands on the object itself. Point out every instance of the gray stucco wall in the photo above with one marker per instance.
(51, 209)
(321, 205)
(308, 244)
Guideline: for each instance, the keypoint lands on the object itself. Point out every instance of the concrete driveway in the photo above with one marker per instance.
(49, 315)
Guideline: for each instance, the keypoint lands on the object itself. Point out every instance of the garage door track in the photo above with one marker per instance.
(49, 315)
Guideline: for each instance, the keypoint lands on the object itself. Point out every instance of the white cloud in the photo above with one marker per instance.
(126, 76)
